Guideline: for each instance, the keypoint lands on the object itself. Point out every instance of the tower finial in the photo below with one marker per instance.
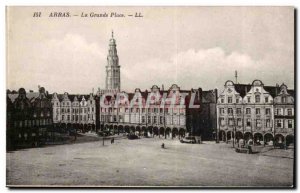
(112, 33)
(236, 76)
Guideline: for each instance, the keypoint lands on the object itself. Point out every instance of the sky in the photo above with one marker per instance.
(189, 46)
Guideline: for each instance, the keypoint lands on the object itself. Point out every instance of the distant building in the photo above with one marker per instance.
(158, 118)
(247, 112)
(113, 77)
(29, 118)
(74, 111)
(284, 115)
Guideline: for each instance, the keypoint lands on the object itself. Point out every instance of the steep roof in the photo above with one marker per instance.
(29, 95)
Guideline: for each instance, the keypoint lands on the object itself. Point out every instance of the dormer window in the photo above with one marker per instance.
(257, 98)
(229, 99)
(284, 99)
(266, 99)
(248, 99)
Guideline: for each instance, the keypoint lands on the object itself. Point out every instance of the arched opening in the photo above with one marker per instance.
(181, 132)
(222, 135)
(120, 129)
(269, 139)
(155, 131)
(150, 130)
(138, 129)
(81, 128)
(168, 131)
(127, 129)
(85, 128)
(115, 129)
(258, 139)
(132, 129)
(248, 136)
(93, 127)
(229, 135)
(144, 130)
(239, 136)
(110, 128)
(162, 131)
(289, 140)
(279, 138)
(174, 132)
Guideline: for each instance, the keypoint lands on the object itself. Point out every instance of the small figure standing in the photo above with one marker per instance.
(112, 140)
(163, 145)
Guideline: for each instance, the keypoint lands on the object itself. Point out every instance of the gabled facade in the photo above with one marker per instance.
(251, 112)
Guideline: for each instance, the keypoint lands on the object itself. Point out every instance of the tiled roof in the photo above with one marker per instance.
(29, 95)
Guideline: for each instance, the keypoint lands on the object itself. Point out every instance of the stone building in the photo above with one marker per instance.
(153, 112)
(247, 112)
(74, 111)
(284, 115)
(113, 77)
(29, 118)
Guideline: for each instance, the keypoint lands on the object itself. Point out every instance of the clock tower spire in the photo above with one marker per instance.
(113, 79)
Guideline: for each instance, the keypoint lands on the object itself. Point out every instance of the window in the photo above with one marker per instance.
(143, 119)
(278, 123)
(257, 98)
(290, 123)
(239, 122)
(229, 99)
(248, 111)
(268, 111)
(278, 111)
(266, 99)
(222, 100)
(268, 123)
(221, 111)
(149, 119)
(230, 121)
(238, 111)
(248, 123)
(230, 111)
(257, 111)
(289, 112)
(237, 100)
(154, 119)
(143, 110)
(248, 99)
(258, 123)
(161, 120)
(68, 118)
(222, 121)
(63, 117)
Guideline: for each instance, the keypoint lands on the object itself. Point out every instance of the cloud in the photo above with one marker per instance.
(206, 68)
(70, 62)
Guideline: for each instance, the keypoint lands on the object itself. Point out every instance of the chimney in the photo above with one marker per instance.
(216, 95)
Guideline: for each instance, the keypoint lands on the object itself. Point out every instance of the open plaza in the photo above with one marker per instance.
(143, 162)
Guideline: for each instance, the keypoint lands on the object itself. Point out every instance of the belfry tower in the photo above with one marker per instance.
(113, 79)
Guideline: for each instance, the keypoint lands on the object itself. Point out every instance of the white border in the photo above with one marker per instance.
(4, 3)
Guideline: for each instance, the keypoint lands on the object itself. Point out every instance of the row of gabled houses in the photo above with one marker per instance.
(253, 111)
(248, 111)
